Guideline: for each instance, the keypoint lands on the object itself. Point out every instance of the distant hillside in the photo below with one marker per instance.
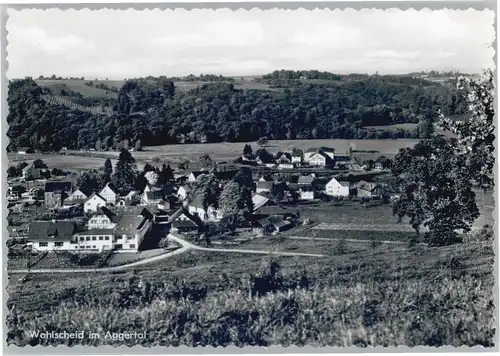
(75, 113)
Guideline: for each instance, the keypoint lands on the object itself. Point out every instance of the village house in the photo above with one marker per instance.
(193, 176)
(297, 157)
(271, 225)
(126, 200)
(342, 158)
(152, 195)
(24, 150)
(259, 201)
(264, 184)
(103, 219)
(94, 202)
(320, 159)
(109, 193)
(337, 189)
(30, 172)
(51, 235)
(183, 192)
(77, 197)
(130, 230)
(330, 152)
(56, 192)
(306, 180)
(378, 166)
(164, 205)
(307, 194)
(184, 222)
(197, 208)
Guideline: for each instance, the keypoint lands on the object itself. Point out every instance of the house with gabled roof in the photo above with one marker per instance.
(94, 202)
(320, 159)
(193, 176)
(56, 192)
(77, 197)
(337, 188)
(109, 193)
(51, 235)
(196, 207)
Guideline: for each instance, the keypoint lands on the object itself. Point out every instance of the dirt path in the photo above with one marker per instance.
(350, 240)
(186, 246)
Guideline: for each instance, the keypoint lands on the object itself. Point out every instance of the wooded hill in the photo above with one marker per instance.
(154, 111)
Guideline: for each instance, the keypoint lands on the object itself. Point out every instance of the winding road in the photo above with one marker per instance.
(185, 247)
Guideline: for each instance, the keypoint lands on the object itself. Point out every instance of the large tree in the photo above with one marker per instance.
(208, 187)
(476, 129)
(436, 190)
(235, 198)
(125, 172)
(437, 176)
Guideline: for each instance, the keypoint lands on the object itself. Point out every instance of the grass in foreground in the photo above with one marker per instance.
(416, 296)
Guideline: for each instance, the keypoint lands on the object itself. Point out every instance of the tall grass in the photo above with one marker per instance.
(450, 305)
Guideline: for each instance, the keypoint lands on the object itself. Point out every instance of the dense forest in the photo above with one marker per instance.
(153, 111)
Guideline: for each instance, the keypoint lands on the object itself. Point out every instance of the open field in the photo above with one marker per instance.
(386, 296)
(227, 151)
(407, 126)
(78, 86)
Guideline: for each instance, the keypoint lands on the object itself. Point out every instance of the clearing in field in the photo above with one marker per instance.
(78, 86)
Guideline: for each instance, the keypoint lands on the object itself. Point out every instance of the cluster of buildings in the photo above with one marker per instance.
(324, 157)
(121, 222)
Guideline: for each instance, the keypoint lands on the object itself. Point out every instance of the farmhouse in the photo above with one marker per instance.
(271, 224)
(52, 235)
(259, 201)
(56, 192)
(197, 208)
(320, 159)
(297, 157)
(152, 195)
(77, 197)
(131, 229)
(109, 193)
(103, 219)
(307, 194)
(337, 189)
(264, 184)
(25, 150)
(306, 180)
(342, 157)
(193, 176)
(185, 222)
(183, 192)
(94, 202)
(30, 172)
(330, 152)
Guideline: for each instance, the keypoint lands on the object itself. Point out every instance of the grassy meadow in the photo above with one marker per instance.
(57, 86)
(383, 295)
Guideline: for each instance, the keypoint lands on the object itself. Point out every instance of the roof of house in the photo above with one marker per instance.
(110, 186)
(322, 154)
(259, 201)
(59, 230)
(130, 222)
(306, 179)
(184, 224)
(96, 195)
(322, 148)
(264, 185)
(96, 232)
(154, 195)
(276, 221)
(58, 186)
(102, 210)
(198, 173)
(266, 178)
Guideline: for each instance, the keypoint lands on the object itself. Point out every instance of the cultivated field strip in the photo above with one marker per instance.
(95, 110)
(363, 227)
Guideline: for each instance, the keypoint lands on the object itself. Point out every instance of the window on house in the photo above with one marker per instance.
(87, 238)
(131, 245)
(58, 244)
(82, 238)
(106, 238)
(43, 244)
(93, 246)
(94, 238)
(100, 238)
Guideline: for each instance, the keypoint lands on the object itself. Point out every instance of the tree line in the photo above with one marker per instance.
(154, 112)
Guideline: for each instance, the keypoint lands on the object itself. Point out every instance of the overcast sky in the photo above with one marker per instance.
(123, 44)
